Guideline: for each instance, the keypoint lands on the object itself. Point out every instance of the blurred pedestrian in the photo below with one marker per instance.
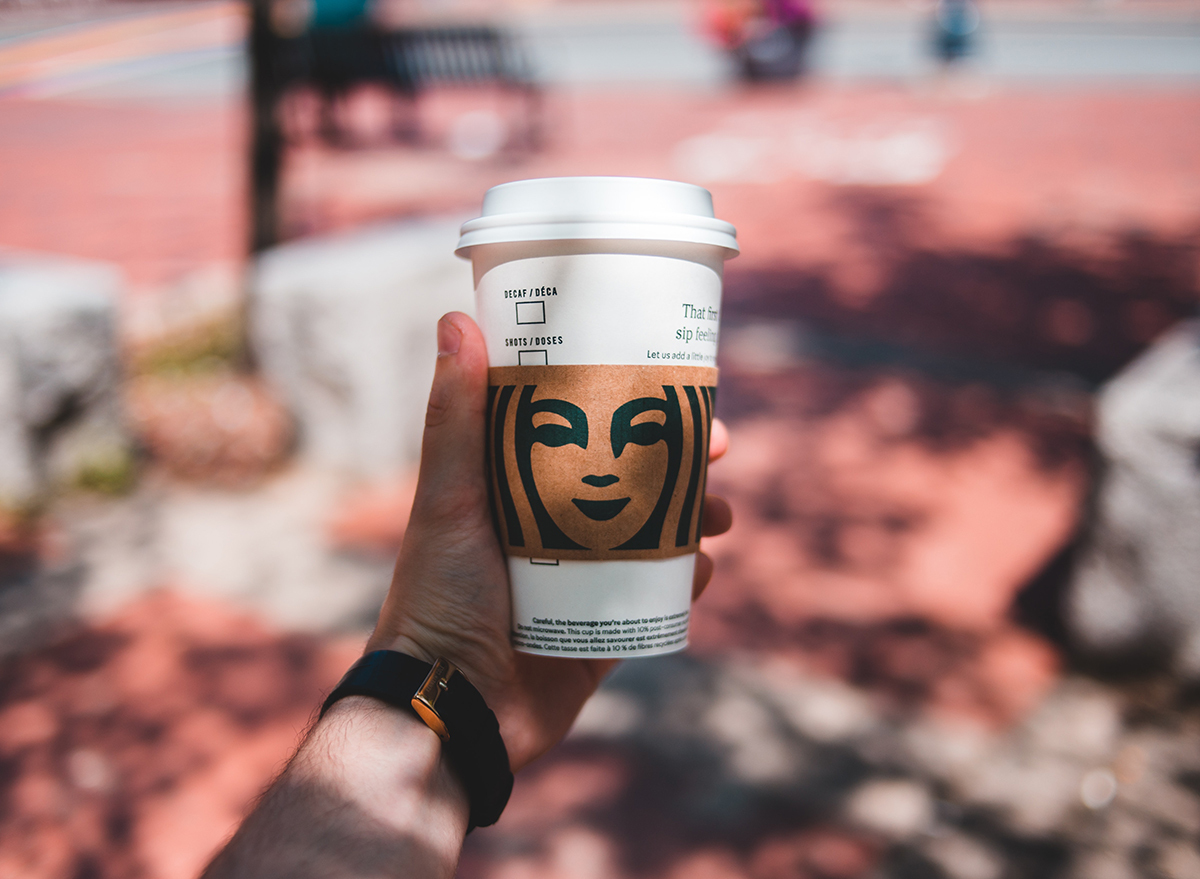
(768, 38)
(955, 23)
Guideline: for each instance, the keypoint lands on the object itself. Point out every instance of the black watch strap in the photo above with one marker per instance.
(470, 735)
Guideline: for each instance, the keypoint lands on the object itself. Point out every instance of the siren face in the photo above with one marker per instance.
(599, 462)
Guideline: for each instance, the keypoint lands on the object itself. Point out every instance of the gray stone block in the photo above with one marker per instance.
(1137, 583)
(345, 328)
(59, 372)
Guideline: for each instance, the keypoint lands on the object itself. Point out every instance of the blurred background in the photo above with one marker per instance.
(955, 632)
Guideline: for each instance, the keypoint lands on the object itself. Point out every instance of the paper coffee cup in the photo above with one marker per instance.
(600, 301)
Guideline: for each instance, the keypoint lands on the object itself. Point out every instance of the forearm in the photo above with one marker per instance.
(368, 794)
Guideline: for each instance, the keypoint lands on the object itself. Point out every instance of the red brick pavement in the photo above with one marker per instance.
(867, 498)
(1050, 227)
(156, 189)
(132, 748)
(159, 189)
(1054, 161)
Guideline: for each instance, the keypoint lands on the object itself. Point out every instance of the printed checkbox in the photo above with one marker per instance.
(533, 357)
(531, 313)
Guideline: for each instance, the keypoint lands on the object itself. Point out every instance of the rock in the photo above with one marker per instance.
(265, 550)
(962, 857)
(344, 327)
(824, 710)
(1034, 793)
(1081, 722)
(948, 749)
(1034, 789)
(209, 299)
(34, 603)
(1156, 794)
(608, 714)
(59, 404)
(757, 752)
(1098, 788)
(1104, 865)
(1179, 860)
(896, 808)
(1135, 586)
(217, 427)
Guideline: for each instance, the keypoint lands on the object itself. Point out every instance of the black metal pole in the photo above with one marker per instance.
(266, 140)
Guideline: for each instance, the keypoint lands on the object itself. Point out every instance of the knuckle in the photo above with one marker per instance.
(440, 407)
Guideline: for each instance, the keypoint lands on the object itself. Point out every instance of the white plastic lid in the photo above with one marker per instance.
(620, 208)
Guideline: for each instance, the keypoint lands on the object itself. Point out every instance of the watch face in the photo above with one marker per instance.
(600, 462)
(431, 719)
(425, 701)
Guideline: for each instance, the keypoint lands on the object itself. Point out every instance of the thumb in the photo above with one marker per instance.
(452, 479)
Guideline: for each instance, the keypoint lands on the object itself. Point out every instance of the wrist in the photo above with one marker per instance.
(402, 644)
(452, 709)
(392, 767)
(476, 666)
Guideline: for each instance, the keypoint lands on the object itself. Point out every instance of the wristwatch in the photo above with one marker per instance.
(444, 699)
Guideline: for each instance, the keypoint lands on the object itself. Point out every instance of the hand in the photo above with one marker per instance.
(450, 592)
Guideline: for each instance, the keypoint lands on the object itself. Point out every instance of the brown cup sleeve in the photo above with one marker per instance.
(599, 462)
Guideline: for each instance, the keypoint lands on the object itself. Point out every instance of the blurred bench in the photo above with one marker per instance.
(408, 61)
(458, 56)
(334, 61)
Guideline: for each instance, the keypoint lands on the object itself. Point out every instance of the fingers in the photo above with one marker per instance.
(718, 440)
(704, 572)
(452, 451)
(718, 517)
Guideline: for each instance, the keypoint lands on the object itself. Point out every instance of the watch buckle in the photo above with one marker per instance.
(424, 702)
